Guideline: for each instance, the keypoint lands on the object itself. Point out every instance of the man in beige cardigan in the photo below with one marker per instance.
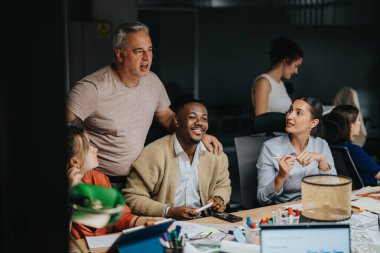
(175, 175)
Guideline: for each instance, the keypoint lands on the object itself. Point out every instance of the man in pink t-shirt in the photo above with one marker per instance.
(117, 104)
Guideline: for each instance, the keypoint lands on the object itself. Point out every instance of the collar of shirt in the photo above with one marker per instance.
(288, 148)
(180, 152)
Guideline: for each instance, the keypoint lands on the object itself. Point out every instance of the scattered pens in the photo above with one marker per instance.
(172, 240)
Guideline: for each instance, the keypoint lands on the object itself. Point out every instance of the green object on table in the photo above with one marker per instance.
(95, 206)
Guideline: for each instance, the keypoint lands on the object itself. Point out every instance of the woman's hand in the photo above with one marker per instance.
(305, 158)
(286, 164)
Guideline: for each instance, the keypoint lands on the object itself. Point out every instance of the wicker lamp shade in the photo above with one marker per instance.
(326, 197)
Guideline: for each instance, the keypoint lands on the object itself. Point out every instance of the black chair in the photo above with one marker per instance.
(345, 166)
(269, 123)
(331, 130)
(248, 150)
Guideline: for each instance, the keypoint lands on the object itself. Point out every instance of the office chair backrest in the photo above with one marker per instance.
(248, 150)
(269, 123)
(331, 130)
(345, 166)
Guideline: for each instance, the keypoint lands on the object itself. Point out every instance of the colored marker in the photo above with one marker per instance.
(204, 207)
(178, 229)
(249, 221)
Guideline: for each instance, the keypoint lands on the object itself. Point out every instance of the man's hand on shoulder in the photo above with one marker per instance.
(212, 144)
(166, 119)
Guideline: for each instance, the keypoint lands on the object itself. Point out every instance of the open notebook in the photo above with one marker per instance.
(306, 238)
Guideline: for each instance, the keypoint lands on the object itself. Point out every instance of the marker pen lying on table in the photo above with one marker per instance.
(204, 207)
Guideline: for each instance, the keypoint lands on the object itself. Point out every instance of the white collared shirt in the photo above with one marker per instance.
(187, 192)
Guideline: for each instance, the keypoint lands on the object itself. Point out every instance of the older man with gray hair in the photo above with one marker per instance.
(117, 103)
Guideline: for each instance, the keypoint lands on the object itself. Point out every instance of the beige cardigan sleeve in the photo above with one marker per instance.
(149, 187)
(137, 195)
(223, 182)
(214, 177)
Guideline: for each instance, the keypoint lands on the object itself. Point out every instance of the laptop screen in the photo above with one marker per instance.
(306, 238)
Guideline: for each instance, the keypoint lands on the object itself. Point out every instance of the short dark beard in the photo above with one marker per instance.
(195, 142)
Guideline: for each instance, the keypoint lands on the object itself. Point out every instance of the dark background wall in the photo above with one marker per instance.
(33, 191)
(215, 52)
(224, 45)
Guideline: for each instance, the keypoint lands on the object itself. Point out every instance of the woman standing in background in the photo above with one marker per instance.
(268, 90)
(349, 96)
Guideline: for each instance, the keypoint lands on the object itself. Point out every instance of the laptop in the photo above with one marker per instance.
(306, 238)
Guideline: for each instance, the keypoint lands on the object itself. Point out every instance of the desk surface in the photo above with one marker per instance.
(256, 213)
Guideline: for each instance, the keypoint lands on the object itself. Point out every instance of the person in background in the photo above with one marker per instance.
(82, 158)
(268, 90)
(117, 103)
(285, 160)
(175, 174)
(348, 119)
(349, 96)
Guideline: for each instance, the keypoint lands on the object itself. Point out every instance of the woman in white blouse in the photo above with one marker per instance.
(268, 90)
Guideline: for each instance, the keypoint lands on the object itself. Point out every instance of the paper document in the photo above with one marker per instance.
(228, 246)
(101, 241)
(368, 204)
(365, 232)
(191, 228)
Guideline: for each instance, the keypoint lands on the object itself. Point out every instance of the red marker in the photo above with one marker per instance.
(298, 212)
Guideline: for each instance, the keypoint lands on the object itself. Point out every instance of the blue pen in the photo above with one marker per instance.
(168, 236)
(249, 221)
(178, 229)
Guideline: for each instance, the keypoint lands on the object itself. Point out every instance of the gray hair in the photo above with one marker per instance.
(120, 35)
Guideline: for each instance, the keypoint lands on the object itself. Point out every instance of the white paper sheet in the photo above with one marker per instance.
(101, 241)
(368, 204)
(365, 233)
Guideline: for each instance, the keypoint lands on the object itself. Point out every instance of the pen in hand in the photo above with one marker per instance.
(204, 207)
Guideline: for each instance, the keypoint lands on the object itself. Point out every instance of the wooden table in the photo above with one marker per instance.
(255, 214)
